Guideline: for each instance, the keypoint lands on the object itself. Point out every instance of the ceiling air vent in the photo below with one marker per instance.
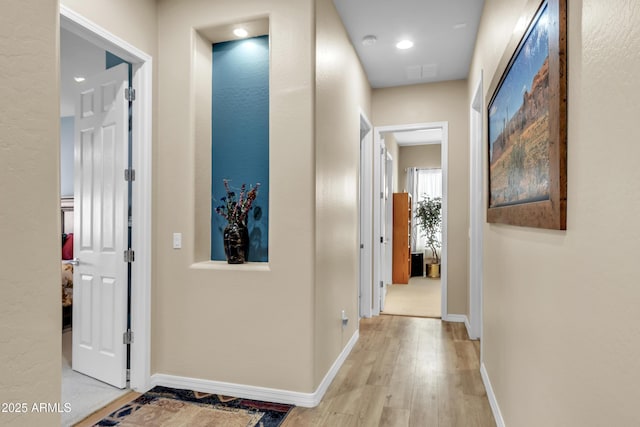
(422, 72)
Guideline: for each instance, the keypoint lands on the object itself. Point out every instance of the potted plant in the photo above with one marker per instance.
(429, 217)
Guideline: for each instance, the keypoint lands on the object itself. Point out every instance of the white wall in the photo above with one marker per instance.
(247, 324)
(66, 156)
(561, 319)
(439, 102)
(418, 156)
(30, 307)
(341, 91)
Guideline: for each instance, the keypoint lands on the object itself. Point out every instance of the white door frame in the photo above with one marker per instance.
(379, 285)
(476, 212)
(141, 198)
(366, 242)
(378, 222)
(380, 214)
(389, 218)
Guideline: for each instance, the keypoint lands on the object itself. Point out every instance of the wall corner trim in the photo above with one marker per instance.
(306, 400)
(467, 325)
(331, 374)
(493, 402)
(458, 318)
(461, 318)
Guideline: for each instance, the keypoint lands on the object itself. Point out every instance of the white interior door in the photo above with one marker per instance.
(366, 214)
(100, 239)
(384, 241)
(388, 218)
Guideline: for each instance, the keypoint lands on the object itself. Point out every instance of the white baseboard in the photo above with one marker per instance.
(493, 402)
(307, 400)
(459, 318)
(331, 374)
(468, 326)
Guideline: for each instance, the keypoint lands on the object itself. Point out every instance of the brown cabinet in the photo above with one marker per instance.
(401, 238)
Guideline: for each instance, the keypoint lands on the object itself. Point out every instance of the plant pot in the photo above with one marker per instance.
(236, 243)
(433, 271)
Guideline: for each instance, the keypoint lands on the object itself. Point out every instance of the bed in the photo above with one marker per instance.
(66, 215)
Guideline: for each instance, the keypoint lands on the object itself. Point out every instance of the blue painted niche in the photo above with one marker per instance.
(240, 136)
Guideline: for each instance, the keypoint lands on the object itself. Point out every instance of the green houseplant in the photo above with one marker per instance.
(429, 218)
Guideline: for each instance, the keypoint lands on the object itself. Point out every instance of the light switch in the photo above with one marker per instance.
(177, 240)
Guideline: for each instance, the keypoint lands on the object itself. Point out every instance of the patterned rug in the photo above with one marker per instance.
(167, 407)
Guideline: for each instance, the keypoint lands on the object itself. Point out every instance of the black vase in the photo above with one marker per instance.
(236, 243)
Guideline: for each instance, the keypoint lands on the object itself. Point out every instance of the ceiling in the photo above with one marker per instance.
(443, 32)
(418, 137)
(78, 58)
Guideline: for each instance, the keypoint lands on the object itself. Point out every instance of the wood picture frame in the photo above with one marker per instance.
(527, 122)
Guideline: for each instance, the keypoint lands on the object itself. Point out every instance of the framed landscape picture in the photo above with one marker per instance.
(527, 123)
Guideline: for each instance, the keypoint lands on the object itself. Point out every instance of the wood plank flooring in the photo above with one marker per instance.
(104, 412)
(403, 372)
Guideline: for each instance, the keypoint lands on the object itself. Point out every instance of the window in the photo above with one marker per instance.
(422, 183)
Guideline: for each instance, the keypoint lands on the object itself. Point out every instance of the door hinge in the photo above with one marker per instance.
(381, 284)
(127, 337)
(129, 175)
(129, 94)
(129, 255)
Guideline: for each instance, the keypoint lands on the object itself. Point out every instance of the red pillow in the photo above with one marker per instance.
(67, 248)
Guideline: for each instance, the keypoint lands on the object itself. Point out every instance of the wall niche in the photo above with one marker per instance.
(237, 149)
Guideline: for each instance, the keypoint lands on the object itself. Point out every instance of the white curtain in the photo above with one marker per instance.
(422, 183)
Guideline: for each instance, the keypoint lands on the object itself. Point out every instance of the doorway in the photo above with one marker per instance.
(74, 25)
(380, 223)
(98, 287)
(476, 214)
(366, 244)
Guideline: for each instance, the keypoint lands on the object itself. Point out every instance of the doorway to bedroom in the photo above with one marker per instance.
(106, 165)
(96, 206)
(420, 171)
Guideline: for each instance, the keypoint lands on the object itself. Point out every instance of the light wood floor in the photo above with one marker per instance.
(104, 412)
(404, 371)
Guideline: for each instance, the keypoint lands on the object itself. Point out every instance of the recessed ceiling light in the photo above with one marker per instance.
(369, 40)
(404, 44)
(460, 26)
(79, 79)
(240, 32)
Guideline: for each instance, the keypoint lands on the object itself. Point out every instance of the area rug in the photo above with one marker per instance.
(167, 407)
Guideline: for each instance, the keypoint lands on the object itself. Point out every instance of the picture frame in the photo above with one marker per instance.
(527, 122)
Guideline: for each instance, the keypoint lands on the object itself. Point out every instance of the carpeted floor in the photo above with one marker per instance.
(420, 298)
(167, 407)
(84, 393)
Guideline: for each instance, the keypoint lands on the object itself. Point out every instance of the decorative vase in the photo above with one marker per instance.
(236, 243)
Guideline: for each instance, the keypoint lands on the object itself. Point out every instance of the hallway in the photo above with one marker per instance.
(405, 371)
(402, 372)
